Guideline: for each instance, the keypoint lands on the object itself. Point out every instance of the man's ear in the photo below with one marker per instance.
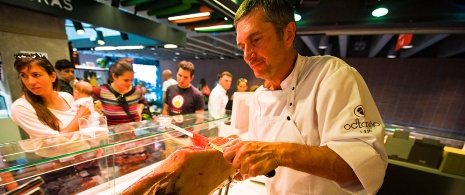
(289, 34)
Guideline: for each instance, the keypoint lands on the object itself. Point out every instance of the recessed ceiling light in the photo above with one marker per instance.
(407, 46)
(378, 12)
(297, 17)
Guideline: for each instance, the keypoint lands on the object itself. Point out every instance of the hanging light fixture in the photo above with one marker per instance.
(323, 42)
(79, 28)
(124, 36)
(100, 40)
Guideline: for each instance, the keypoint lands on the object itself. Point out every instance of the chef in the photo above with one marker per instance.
(313, 120)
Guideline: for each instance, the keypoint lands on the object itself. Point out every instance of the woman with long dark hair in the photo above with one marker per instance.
(42, 110)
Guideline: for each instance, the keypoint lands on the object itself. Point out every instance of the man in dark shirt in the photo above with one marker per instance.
(65, 69)
(183, 98)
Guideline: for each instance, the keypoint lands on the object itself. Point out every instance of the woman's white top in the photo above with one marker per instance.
(24, 115)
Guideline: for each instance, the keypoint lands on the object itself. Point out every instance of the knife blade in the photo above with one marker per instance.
(198, 139)
(203, 141)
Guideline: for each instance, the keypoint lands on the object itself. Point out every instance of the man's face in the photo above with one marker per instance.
(184, 78)
(263, 48)
(67, 74)
(225, 82)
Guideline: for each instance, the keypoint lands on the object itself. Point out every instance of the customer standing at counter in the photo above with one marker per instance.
(183, 98)
(121, 101)
(313, 120)
(219, 96)
(42, 111)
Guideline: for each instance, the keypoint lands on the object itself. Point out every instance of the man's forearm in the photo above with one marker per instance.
(316, 160)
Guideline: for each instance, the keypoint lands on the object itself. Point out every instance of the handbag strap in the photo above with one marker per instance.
(118, 95)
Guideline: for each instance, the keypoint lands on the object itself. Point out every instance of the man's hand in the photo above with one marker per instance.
(251, 158)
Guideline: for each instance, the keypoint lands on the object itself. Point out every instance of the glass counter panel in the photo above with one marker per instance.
(73, 162)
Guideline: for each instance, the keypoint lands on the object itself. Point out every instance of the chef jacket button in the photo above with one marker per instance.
(288, 118)
(290, 104)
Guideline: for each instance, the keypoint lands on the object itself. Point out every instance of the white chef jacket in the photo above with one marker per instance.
(24, 115)
(217, 102)
(323, 102)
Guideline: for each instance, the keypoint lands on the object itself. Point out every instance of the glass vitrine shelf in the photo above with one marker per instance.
(73, 162)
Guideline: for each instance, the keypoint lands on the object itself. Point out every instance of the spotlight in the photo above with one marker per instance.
(323, 42)
(115, 3)
(78, 27)
(100, 40)
(297, 16)
(380, 8)
(380, 11)
(124, 36)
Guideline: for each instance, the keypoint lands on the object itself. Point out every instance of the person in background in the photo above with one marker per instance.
(219, 97)
(183, 98)
(65, 70)
(241, 86)
(203, 87)
(121, 101)
(168, 77)
(253, 88)
(41, 111)
(301, 121)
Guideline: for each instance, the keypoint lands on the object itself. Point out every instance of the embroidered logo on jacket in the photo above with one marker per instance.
(361, 125)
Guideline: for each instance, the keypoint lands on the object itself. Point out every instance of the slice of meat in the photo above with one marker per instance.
(189, 170)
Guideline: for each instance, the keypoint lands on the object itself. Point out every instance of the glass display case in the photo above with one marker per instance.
(76, 163)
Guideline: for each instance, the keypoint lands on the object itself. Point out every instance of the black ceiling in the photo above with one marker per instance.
(438, 28)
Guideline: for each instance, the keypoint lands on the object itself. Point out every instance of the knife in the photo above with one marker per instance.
(199, 140)
(203, 141)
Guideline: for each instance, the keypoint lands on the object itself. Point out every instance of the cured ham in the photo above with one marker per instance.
(191, 170)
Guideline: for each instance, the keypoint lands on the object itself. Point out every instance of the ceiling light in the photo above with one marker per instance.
(297, 17)
(379, 11)
(119, 47)
(224, 26)
(407, 46)
(196, 57)
(170, 46)
(79, 29)
(99, 39)
(323, 42)
(391, 56)
(196, 15)
(124, 36)
(177, 53)
(221, 57)
(224, 7)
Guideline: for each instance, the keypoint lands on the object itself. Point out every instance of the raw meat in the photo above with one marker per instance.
(190, 170)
